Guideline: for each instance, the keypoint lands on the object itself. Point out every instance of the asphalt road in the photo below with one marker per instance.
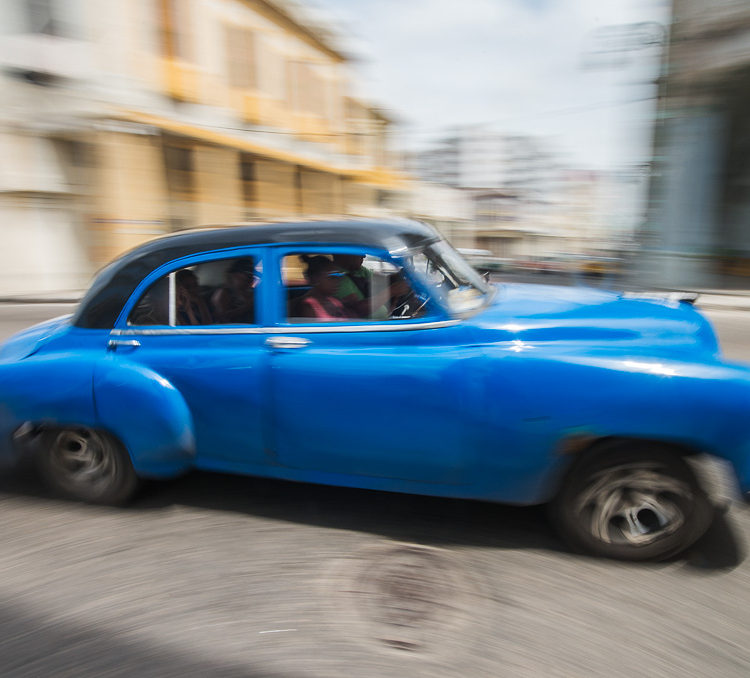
(211, 575)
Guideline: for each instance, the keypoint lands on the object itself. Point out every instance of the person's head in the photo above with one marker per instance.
(240, 273)
(348, 262)
(322, 274)
(188, 281)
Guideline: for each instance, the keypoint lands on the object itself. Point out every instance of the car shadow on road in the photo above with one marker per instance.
(721, 548)
(404, 517)
(33, 644)
(434, 521)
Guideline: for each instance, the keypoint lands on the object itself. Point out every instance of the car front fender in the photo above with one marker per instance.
(537, 402)
(148, 414)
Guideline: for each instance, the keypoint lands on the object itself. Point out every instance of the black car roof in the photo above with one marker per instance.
(116, 282)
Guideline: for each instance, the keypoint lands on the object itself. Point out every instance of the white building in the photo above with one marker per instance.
(480, 158)
(450, 210)
(515, 186)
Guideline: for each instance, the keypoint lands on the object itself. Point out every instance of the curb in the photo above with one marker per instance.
(721, 307)
(39, 300)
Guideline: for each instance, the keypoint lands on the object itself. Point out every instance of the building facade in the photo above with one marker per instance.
(697, 233)
(525, 206)
(476, 157)
(449, 210)
(159, 115)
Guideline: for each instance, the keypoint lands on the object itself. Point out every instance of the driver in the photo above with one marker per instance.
(355, 289)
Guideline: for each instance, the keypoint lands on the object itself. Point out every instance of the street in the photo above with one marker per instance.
(212, 575)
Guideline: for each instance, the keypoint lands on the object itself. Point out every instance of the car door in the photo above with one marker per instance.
(387, 398)
(218, 364)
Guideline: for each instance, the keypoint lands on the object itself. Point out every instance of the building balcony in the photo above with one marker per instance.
(181, 80)
(43, 59)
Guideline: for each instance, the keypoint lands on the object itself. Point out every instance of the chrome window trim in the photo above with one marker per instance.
(287, 329)
(172, 276)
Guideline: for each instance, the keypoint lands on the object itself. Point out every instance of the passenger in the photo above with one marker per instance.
(191, 307)
(355, 290)
(235, 302)
(321, 301)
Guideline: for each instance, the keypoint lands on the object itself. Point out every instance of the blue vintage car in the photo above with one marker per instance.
(369, 354)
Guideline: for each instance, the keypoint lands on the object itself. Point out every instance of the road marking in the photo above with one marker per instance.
(276, 631)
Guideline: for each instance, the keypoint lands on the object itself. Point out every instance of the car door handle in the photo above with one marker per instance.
(114, 344)
(287, 342)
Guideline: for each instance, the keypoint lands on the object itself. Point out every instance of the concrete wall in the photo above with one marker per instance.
(276, 188)
(684, 234)
(42, 228)
(43, 246)
(218, 191)
(130, 192)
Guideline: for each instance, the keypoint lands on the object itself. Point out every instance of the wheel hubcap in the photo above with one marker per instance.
(633, 504)
(82, 459)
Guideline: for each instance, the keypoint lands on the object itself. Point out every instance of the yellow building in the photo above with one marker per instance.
(159, 115)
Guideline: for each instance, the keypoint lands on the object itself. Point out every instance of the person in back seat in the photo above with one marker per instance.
(235, 302)
(191, 307)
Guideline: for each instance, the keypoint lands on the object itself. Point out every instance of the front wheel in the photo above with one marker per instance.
(631, 501)
(87, 465)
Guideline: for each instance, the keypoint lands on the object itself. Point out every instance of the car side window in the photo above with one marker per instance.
(218, 292)
(323, 287)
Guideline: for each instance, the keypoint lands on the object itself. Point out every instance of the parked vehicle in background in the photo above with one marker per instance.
(486, 262)
(596, 267)
(370, 354)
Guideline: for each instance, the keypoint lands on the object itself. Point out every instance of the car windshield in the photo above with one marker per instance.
(443, 269)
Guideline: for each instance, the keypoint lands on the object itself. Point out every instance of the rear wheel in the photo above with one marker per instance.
(86, 464)
(631, 501)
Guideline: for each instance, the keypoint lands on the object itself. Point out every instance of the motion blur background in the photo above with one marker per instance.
(609, 139)
(564, 140)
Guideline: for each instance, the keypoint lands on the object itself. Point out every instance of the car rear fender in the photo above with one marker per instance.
(44, 391)
(148, 414)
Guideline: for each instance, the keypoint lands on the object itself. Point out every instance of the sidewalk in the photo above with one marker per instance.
(730, 300)
(61, 297)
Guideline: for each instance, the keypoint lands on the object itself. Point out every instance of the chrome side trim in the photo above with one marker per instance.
(286, 329)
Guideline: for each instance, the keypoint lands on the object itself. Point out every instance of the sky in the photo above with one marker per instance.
(540, 67)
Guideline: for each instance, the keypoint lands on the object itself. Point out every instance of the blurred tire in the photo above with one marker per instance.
(87, 465)
(631, 501)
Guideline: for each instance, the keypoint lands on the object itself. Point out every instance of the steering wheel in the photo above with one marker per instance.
(402, 306)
